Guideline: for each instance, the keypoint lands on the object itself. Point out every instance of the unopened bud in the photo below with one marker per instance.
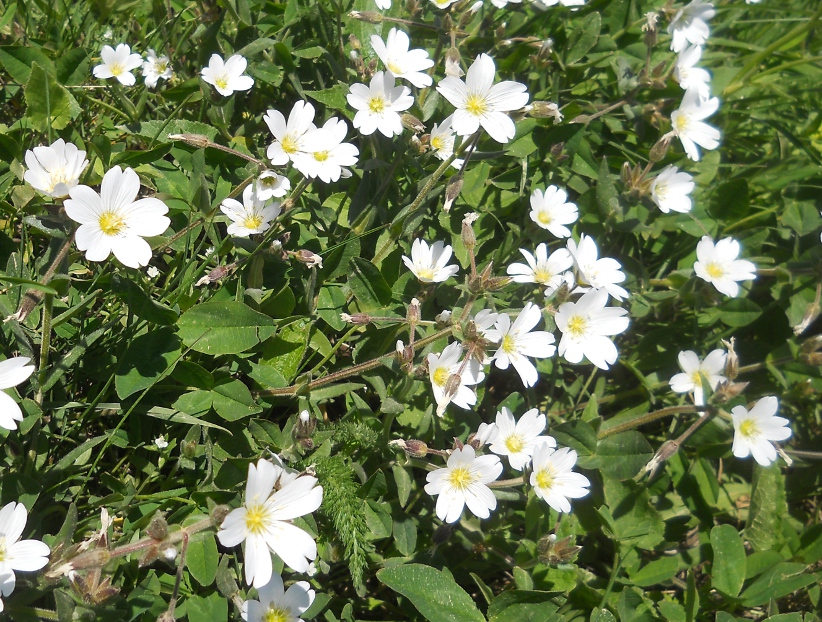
(311, 260)
(660, 149)
(412, 447)
(94, 558)
(218, 514)
(355, 43)
(543, 110)
(732, 360)
(496, 283)
(469, 240)
(149, 555)
(195, 140)
(452, 191)
(305, 426)
(443, 319)
(357, 318)
(499, 32)
(158, 528)
(554, 552)
(412, 123)
(729, 390)
(170, 553)
(417, 144)
(372, 17)
(405, 354)
(216, 274)
(452, 63)
(668, 449)
(556, 151)
(413, 314)
(625, 173)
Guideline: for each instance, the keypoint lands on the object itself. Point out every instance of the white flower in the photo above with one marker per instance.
(586, 325)
(718, 264)
(277, 605)
(156, 67)
(550, 211)
(694, 372)
(463, 482)
(288, 136)
(689, 25)
(442, 141)
(670, 190)
(379, 105)
(325, 154)
(442, 368)
(545, 270)
(689, 75)
(429, 264)
(118, 64)
(113, 222)
(517, 341)
(443, 4)
(754, 430)
(602, 273)
(16, 554)
(269, 184)
(13, 371)
(484, 320)
(399, 60)
(227, 76)
(264, 522)
(252, 216)
(383, 5)
(547, 3)
(481, 102)
(500, 4)
(519, 439)
(553, 478)
(688, 125)
(152, 272)
(486, 433)
(161, 442)
(56, 169)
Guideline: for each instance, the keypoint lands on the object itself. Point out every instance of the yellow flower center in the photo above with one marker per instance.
(394, 68)
(577, 325)
(748, 428)
(376, 105)
(508, 345)
(437, 143)
(544, 217)
(112, 223)
(661, 191)
(289, 144)
(681, 123)
(696, 378)
(425, 273)
(441, 376)
(514, 444)
(460, 478)
(320, 156)
(545, 478)
(2, 549)
(160, 66)
(542, 276)
(714, 270)
(268, 182)
(222, 82)
(255, 519)
(476, 105)
(116, 69)
(253, 222)
(276, 615)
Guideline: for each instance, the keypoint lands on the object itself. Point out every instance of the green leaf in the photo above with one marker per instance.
(802, 217)
(405, 535)
(584, 37)
(224, 327)
(767, 507)
(202, 559)
(147, 359)
(730, 200)
(435, 595)
(728, 572)
(285, 352)
(778, 581)
(141, 304)
(232, 400)
(28, 283)
(523, 605)
(739, 312)
(403, 481)
(368, 285)
(213, 608)
(658, 571)
(19, 60)
(334, 98)
(48, 103)
(73, 67)
(607, 195)
(174, 416)
(623, 455)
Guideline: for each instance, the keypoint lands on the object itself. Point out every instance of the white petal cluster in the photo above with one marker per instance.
(379, 105)
(56, 169)
(718, 264)
(551, 210)
(156, 67)
(264, 521)
(442, 141)
(118, 64)
(227, 76)
(464, 482)
(543, 269)
(443, 369)
(689, 127)
(289, 135)
(113, 221)
(518, 341)
(269, 185)
(325, 155)
(694, 372)
(480, 102)
(757, 429)
(670, 190)
(404, 63)
(13, 371)
(16, 554)
(253, 215)
(519, 439)
(277, 604)
(429, 264)
(594, 272)
(690, 25)
(553, 478)
(691, 77)
(586, 326)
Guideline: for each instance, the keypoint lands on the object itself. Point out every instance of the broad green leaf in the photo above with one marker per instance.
(802, 217)
(658, 571)
(584, 37)
(47, 102)
(731, 200)
(285, 352)
(435, 595)
(224, 327)
(739, 312)
(148, 358)
(402, 479)
(764, 525)
(778, 581)
(405, 535)
(141, 304)
(728, 571)
(19, 61)
(634, 518)
(523, 605)
(213, 608)
(232, 400)
(73, 67)
(623, 455)
(368, 285)
(202, 559)
(334, 97)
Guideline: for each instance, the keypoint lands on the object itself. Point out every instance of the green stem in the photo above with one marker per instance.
(648, 418)
(45, 345)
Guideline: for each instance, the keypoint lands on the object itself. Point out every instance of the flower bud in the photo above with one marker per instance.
(729, 390)
(158, 528)
(371, 17)
(412, 447)
(355, 43)
(443, 319)
(311, 260)
(413, 314)
(218, 514)
(732, 360)
(660, 149)
(195, 140)
(668, 449)
(452, 191)
(170, 553)
(188, 449)
(554, 552)
(409, 121)
(543, 110)
(216, 274)
(468, 237)
(357, 318)
(452, 63)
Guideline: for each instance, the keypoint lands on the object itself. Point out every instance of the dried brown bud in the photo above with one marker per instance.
(357, 318)
(413, 314)
(195, 140)
(188, 449)
(729, 390)
(412, 447)
(625, 173)
(452, 191)
(496, 283)
(218, 514)
(93, 558)
(372, 17)
(216, 274)
(412, 123)
(544, 110)
(150, 554)
(355, 43)
(452, 63)
(158, 528)
(552, 551)
(458, 444)
(312, 260)
(668, 449)
(660, 149)
(732, 360)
